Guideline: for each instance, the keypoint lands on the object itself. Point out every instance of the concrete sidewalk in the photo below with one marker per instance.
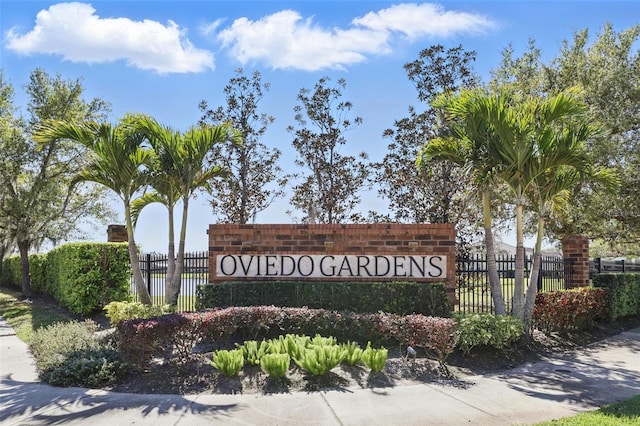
(606, 372)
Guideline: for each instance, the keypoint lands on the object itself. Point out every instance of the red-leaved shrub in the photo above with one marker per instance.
(565, 310)
(174, 336)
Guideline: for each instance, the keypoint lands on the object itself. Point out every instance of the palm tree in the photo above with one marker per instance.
(468, 145)
(551, 190)
(116, 159)
(530, 143)
(180, 171)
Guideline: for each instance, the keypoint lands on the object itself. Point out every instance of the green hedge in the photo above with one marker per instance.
(401, 298)
(11, 274)
(624, 293)
(84, 277)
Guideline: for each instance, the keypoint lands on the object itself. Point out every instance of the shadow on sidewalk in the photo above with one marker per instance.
(601, 374)
(62, 405)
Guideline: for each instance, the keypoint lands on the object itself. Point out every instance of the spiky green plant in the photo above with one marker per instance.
(253, 351)
(319, 340)
(375, 359)
(352, 353)
(319, 360)
(228, 362)
(275, 365)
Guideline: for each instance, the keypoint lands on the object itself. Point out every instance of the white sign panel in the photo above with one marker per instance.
(330, 266)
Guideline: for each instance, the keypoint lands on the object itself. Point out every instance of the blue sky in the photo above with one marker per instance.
(163, 57)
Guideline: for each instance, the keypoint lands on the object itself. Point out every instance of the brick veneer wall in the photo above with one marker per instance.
(352, 239)
(117, 234)
(576, 247)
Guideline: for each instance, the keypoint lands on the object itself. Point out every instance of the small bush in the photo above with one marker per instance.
(624, 293)
(375, 359)
(480, 329)
(52, 345)
(91, 368)
(120, 311)
(438, 336)
(228, 363)
(275, 365)
(566, 310)
(141, 339)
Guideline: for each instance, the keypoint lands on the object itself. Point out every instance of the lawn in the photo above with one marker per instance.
(618, 414)
(26, 317)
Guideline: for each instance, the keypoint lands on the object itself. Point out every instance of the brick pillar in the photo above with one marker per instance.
(117, 234)
(576, 247)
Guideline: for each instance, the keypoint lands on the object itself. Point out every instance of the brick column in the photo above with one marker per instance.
(117, 234)
(576, 247)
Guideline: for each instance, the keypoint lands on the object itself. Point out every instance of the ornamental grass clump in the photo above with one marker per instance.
(253, 351)
(375, 359)
(275, 365)
(319, 340)
(319, 360)
(228, 362)
(352, 353)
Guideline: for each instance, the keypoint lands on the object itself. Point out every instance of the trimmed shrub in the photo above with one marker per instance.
(566, 310)
(438, 336)
(10, 277)
(482, 329)
(121, 311)
(402, 298)
(624, 293)
(52, 345)
(141, 339)
(91, 368)
(84, 277)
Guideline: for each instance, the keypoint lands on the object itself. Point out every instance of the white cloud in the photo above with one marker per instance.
(284, 40)
(73, 31)
(211, 27)
(424, 20)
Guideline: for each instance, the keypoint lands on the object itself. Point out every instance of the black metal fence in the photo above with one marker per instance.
(472, 290)
(194, 273)
(599, 265)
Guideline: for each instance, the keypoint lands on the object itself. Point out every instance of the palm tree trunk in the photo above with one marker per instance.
(518, 286)
(141, 288)
(171, 261)
(177, 276)
(494, 279)
(532, 290)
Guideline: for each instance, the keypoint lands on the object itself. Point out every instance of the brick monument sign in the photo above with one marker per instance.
(323, 252)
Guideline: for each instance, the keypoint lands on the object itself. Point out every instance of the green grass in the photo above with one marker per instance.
(619, 414)
(25, 317)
